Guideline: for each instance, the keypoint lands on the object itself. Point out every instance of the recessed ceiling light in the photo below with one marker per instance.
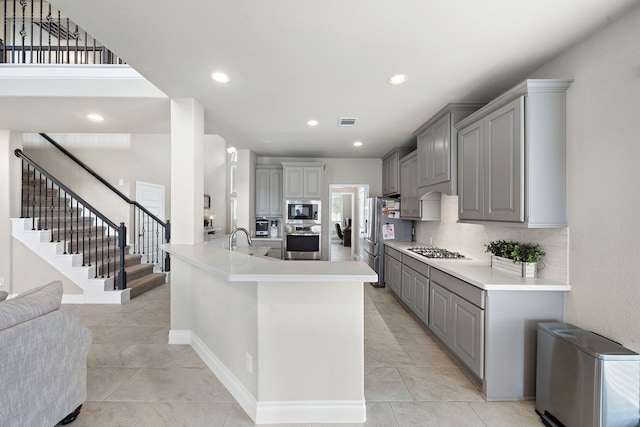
(220, 77)
(357, 144)
(397, 79)
(313, 123)
(95, 117)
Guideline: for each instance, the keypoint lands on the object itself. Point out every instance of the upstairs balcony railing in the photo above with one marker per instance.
(34, 32)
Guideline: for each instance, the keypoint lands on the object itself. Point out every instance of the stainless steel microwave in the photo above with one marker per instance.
(306, 211)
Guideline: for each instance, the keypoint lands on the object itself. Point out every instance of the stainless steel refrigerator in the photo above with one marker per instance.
(383, 223)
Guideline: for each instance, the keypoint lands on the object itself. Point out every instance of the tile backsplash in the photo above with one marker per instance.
(470, 239)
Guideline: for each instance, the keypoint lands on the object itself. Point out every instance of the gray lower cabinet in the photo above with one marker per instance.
(439, 316)
(467, 334)
(456, 316)
(492, 333)
(415, 287)
(393, 270)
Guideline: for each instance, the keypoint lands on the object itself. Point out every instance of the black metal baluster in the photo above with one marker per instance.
(23, 32)
(156, 254)
(52, 208)
(79, 218)
(98, 263)
(122, 242)
(39, 201)
(13, 33)
(24, 199)
(40, 52)
(59, 214)
(108, 252)
(69, 237)
(31, 38)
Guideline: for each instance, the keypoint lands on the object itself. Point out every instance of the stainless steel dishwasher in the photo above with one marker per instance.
(584, 379)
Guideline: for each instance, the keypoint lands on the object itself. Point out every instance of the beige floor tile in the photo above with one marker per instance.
(379, 414)
(506, 414)
(386, 356)
(441, 384)
(238, 418)
(144, 356)
(435, 414)
(186, 414)
(109, 414)
(137, 335)
(207, 388)
(425, 356)
(157, 385)
(384, 385)
(101, 382)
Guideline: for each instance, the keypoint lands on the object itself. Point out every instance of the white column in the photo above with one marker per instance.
(187, 204)
(187, 171)
(10, 171)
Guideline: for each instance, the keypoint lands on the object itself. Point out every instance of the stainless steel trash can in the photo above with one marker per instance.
(584, 379)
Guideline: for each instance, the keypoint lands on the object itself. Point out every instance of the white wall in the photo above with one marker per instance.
(215, 179)
(603, 195)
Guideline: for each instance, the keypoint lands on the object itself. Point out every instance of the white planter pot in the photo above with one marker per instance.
(523, 269)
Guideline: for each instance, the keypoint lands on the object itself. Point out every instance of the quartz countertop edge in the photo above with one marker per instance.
(480, 274)
(236, 266)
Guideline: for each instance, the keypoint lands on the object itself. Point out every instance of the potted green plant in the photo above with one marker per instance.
(515, 257)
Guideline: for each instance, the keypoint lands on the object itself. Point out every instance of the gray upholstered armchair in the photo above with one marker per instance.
(43, 359)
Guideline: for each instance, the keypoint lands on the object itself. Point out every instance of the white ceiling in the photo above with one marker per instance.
(293, 60)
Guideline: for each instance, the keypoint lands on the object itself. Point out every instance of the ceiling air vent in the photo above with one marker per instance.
(347, 121)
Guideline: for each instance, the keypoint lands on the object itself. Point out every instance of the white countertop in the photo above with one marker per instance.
(236, 266)
(267, 239)
(480, 274)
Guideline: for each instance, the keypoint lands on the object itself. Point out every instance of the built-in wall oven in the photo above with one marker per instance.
(302, 241)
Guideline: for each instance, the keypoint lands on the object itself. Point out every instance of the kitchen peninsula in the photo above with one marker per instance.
(286, 338)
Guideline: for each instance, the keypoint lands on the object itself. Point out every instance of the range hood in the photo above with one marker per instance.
(431, 206)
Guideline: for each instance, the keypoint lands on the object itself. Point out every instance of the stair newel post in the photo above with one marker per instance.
(122, 242)
(167, 239)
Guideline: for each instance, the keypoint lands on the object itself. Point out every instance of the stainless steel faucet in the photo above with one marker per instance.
(233, 233)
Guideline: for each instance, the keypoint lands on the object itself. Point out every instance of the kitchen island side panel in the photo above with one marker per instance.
(510, 340)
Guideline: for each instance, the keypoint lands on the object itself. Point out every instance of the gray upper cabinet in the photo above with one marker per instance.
(409, 201)
(303, 180)
(391, 171)
(269, 191)
(437, 149)
(511, 160)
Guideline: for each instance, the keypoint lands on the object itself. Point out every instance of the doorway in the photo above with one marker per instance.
(347, 217)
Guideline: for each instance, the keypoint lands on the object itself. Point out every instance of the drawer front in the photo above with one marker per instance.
(416, 265)
(475, 296)
(393, 253)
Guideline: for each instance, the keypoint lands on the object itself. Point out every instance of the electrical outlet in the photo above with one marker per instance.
(249, 363)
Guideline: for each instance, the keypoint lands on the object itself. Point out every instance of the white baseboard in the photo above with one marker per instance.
(179, 336)
(313, 411)
(73, 299)
(244, 397)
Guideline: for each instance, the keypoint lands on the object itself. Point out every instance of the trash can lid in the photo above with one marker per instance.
(589, 342)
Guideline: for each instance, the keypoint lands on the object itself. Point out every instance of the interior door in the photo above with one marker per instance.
(149, 236)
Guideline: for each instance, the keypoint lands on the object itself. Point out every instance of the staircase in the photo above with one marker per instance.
(80, 245)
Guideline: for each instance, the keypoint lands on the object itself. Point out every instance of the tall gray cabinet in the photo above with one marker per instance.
(511, 157)
(269, 191)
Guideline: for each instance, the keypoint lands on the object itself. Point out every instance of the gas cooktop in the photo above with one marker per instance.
(431, 252)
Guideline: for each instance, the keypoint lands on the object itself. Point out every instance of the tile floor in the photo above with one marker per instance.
(135, 379)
